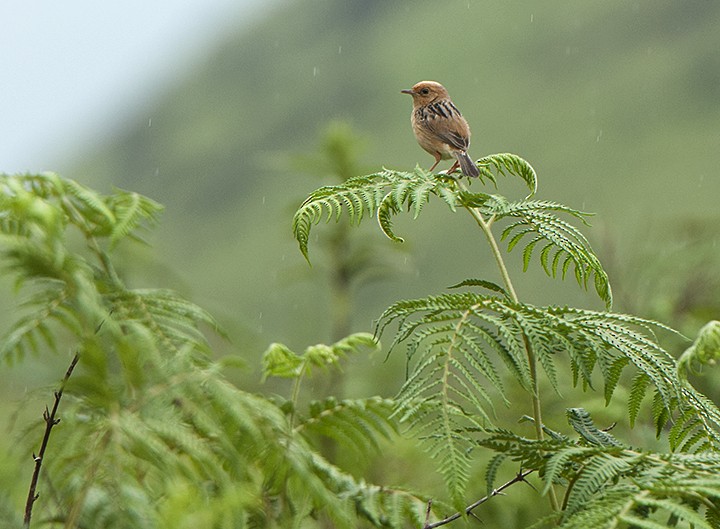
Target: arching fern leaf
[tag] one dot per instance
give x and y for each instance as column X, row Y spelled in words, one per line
column 560, row 244
column 388, row 192
column 508, row 164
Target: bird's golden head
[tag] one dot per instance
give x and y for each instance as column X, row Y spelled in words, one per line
column 426, row 92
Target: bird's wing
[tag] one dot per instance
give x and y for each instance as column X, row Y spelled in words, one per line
column 444, row 120
column 454, row 139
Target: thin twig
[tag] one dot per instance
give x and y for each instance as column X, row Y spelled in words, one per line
column 468, row 510
column 427, row 512
column 50, row 421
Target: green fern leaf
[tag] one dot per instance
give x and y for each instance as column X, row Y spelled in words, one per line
column 705, row 350
column 595, row 473
column 384, row 194
column 489, row 285
column 583, row 424
column 491, row 471
column 506, row 163
column 637, row 394
column 130, row 210
column 357, row 424
column 90, row 202
column 612, row 376
column 537, row 219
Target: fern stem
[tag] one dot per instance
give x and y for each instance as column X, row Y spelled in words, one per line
column 296, row 394
column 497, row 254
column 537, row 410
column 485, row 226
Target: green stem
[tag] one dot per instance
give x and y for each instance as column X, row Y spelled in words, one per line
column 485, row 226
column 296, row 394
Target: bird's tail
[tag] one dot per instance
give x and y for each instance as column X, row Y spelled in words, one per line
column 467, row 166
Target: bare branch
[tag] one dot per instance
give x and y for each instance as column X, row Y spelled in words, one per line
column 50, row 421
column 468, row 510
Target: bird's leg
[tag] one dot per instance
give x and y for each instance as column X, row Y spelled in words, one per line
column 437, row 161
column 454, row 166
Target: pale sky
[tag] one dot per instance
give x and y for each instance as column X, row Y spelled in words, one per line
column 68, row 68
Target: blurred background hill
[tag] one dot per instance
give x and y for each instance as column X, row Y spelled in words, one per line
column 616, row 105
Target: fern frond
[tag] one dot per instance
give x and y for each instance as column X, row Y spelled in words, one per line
column 454, row 342
column 382, row 506
column 637, row 394
column 130, row 210
column 90, row 203
column 279, row 361
column 174, row 321
column 384, row 194
column 583, row 424
column 489, row 285
column 610, row 484
column 705, row 350
column 508, row 164
column 47, row 304
column 697, row 427
column 561, row 243
column 355, row 423
column 596, row 471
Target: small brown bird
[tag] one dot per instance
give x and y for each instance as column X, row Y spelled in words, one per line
column 439, row 127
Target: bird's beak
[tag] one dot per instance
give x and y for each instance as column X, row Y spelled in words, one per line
column 406, row 92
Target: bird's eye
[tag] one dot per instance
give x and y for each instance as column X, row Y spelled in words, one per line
column 425, row 91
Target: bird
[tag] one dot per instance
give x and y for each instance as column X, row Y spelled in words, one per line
column 439, row 127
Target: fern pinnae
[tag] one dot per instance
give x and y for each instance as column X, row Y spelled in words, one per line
column 633, row 521
column 387, row 209
column 528, row 251
column 517, row 209
column 646, row 363
column 536, row 340
column 513, row 351
column 507, row 163
column 595, row 472
column 479, row 360
column 684, row 424
column 612, row 376
column 472, row 390
column 556, row 463
column 90, row 200
column 130, row 210
column 583, row 424
column 677, row 509
column 489, row 285
column 703, row 416
column 491, row 471
column 354, row 434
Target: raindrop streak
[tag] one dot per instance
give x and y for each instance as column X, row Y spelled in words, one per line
column 149, row 122
column 597, row 138
column 339, row 50
column 315, row 71
column 532, row 18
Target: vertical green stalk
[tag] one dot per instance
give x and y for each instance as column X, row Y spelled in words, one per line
column 485, row 226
